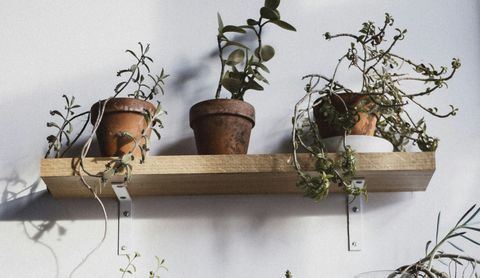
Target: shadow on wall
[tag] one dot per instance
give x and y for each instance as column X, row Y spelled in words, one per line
column 190, row 75
column 11, row 204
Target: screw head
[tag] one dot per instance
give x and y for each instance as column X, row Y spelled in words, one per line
column 123, row 248
column 355, row 209
column 354, row 243
column 126, row 213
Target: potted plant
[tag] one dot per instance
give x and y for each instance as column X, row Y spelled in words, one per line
column 375, row 110
column 131, row 269
column 439, row 261
column 122, row 124
column 223, row 126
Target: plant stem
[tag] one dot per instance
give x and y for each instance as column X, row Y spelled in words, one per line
column 222, row 70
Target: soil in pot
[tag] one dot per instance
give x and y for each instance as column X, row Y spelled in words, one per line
column 222, row 126
column 366, row 124
column 121, row 115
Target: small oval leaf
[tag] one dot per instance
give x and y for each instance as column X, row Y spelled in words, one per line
column 284, row 25
column 272, row 4
column 231, row 28
column 269, row 13
column 231, row 84
column 252, row 22
column 236, row 57
column 267, row 53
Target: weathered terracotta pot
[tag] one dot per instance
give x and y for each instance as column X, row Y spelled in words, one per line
column 121, row 114
column 366, row 124
column 222, row 126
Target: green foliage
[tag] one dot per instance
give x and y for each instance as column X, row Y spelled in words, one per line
column 130, row 268
column 383, row 82
column 240, row 69
column 135, row 75
column 288, row 274
column 385, row 77
column 438, row 261
column 62, row 140
column 119, row 165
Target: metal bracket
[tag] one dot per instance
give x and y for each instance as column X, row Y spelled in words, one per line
column 355, row 218
column 125, row 215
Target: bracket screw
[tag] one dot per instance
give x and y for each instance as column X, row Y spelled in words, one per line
column 355, row 209
column 123, row 248
column 126, row 213
column 354, row 243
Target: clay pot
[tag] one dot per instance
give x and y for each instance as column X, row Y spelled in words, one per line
column 121, row 114
column 366, row 124
column 222, row 126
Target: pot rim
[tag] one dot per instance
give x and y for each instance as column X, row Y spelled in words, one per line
column 196, row 111
column 122, row 105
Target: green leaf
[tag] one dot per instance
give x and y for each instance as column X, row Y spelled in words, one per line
column 157, row 133
column 455, row 246
column 127, row 158
column 438, row 228
column 133, row 53
column 465, row 215
column 236, row 57
column 262, row 66
column 267, row 52
column 220, row 22
column 272, row 4
column 231, row 84
column 231, row 28
column 252, row 22
column 51, row 138
column 473, row 229
column 259, row 77
column 284, row 25
column 269, row 13
column 254, row 85
column 471, row 240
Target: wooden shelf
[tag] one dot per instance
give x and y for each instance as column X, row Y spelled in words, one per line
column 238, row 174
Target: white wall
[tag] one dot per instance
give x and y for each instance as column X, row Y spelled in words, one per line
column 75, row 47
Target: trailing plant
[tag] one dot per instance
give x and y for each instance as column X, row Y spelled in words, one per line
column 60, row 142
column 136, row 78
column 130, row 268
column 439, row 263
column 383, row 74
column 240, row 70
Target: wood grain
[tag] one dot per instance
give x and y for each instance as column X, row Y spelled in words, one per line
column 238, row 174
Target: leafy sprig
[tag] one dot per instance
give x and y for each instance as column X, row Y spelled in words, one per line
column 383, row 76
column 130, row 268
column 61, row 142
column 456, row 263
column 135, row 75
column 240, row 70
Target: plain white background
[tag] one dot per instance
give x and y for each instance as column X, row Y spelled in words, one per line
column 50, row 48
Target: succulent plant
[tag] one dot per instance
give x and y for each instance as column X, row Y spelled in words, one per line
column 383, row 76
column 243, row 68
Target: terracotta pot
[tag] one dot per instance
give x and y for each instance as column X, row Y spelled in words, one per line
column 222, row 126
column 366, row 124
column 121, row 114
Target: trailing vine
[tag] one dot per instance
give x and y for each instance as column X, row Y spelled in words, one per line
column 383, row 76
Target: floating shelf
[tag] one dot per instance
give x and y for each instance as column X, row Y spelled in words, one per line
column 238, row 174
